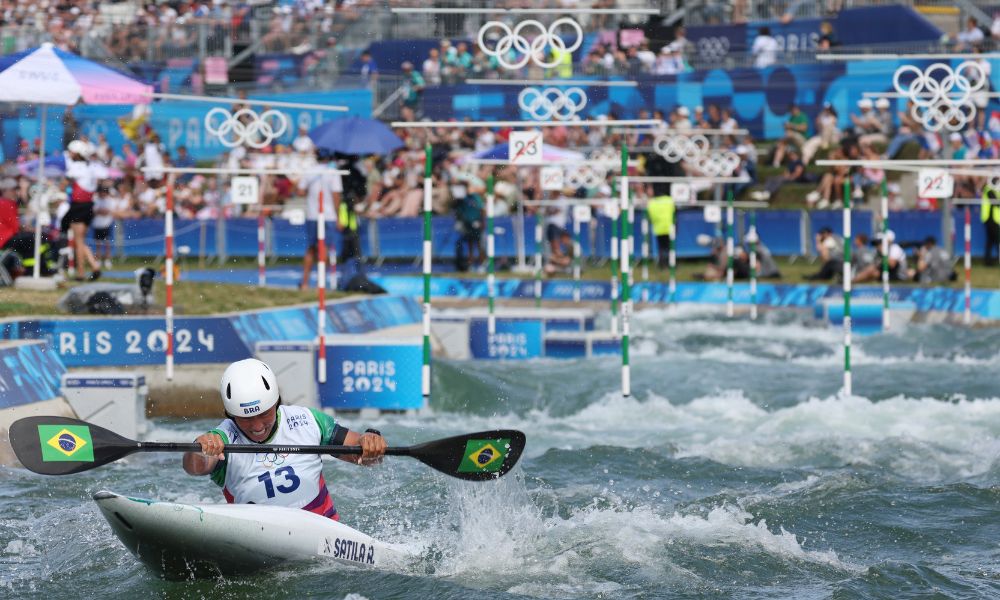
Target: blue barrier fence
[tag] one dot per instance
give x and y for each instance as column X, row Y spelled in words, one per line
column 785, row 232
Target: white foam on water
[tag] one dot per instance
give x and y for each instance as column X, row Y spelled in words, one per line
column 921, row 438
column 495, row 535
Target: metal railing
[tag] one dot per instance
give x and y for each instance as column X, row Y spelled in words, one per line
column 713, row 12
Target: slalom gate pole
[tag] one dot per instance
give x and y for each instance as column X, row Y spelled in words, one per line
column 425, row 372
column 626, row 312
column 261, row 271
column 576, row 259
column 644, row 224
column 491, row 321
column 968, row 265
column 730, row 309
column 538, row 259
column 321, row 255
column 169, row 275
column 886, row 315
column 615, row 225
column 752, row 234
column 847, row 287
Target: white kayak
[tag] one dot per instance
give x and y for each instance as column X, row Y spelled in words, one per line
column 181, row 541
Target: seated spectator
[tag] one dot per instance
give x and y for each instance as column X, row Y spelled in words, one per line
column 827, row 39
column 830, row 248
column 746, row 170
column 867, row 177
column 934, row 264
column 795, row 172
column 827, row 134
column 830, row 184
column 796, row 129
column 910, row 130
column 865, row 122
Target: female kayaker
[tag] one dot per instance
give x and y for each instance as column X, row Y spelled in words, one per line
column 252, row 401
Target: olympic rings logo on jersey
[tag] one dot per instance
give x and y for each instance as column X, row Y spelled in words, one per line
column 552, row 103
column 675, row 148
column 259, row 131
column 513, row 41
column 269, row 459
column 713, row 48
column 941, row 95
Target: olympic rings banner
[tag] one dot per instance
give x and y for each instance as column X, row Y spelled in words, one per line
column 759, row 98
column 183, row 123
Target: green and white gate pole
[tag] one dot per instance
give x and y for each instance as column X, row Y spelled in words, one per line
column 425, row 373
column 847, row 288
column 752, row 238
column 730, row 309
column 538, row 256
column 615, row 224
column 626, row 242
column 576, row 256
column 885, row 256
column 491, row 320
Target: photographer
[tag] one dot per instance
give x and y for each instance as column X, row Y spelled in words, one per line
column 934, row 263
column 897, row 262
column 830, row 248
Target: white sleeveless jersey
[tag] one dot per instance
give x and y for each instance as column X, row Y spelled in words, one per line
column 292, row 480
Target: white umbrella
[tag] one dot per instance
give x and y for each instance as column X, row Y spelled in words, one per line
column 47, row 75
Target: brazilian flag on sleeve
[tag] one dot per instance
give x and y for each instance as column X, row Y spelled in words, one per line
column 484, row 456
column 66, row 443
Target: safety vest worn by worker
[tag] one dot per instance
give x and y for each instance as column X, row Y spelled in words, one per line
column 347, row 217
column 987, row 208
column 661, row 214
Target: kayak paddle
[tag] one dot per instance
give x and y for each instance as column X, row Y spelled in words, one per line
column 60, row 446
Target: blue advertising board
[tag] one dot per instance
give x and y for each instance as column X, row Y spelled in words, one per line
column 135, row 341
column 513, row 339
column 383, row 376
column 29, row 372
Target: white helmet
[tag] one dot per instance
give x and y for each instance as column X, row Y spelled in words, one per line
column 248, row 388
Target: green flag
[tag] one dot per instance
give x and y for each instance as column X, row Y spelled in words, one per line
column 66, row 443
column 484, row 456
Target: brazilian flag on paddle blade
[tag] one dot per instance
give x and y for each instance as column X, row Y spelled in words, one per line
column 66, row 443
column 484, row 456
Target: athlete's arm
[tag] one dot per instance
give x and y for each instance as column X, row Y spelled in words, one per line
column 373, row 447
column 204, row 462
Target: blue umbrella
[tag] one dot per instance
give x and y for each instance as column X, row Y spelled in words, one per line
column 355, row 135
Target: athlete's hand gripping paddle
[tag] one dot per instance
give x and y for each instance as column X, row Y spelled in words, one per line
column 60, row 446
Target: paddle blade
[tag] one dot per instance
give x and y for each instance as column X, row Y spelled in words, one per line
column 473, row 456
column 60, row 446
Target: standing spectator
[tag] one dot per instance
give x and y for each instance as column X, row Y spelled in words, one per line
column 765, row 49
column 302, row 143
column 414, row 85
column 646, row 56
column 369, row 70
column 668, row 63
column 102, row 223
column 827, row 39
column 432, row 67
column 469, row 217
column 184, row 161
column 970, row 37
column 83, row 177
column 330, row 186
